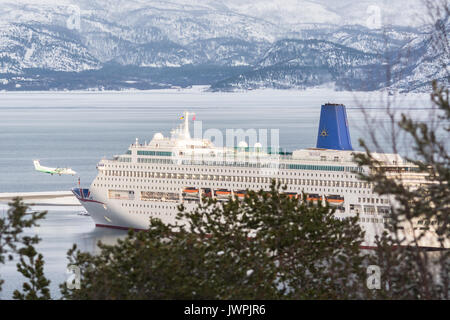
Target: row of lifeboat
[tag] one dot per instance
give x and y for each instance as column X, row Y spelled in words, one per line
column 220, row 193
column 332, row 199
column 192, row 192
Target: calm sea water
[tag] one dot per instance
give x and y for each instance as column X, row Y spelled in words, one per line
column 78, row 129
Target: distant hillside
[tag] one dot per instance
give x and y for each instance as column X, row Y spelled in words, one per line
column 306, row 63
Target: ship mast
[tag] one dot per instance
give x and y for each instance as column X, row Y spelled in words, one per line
column 187, row 135
column 182, row 131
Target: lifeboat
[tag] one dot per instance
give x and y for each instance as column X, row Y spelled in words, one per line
column 240, row 193
column 291, row 195
column 314, row 197
column 222, row 193
column 190, row 190
column 335, row 199
column 190, row 193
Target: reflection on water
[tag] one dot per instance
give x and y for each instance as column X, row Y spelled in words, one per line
column 61, row 228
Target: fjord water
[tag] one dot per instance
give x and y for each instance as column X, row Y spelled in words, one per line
column 77, row 129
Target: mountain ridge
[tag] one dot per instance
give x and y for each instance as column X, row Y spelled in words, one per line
column 37, row 41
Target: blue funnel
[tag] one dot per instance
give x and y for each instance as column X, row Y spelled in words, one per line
column 333, row 128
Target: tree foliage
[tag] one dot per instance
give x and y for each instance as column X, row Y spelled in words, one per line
column 408, row 270
column 13, row 241
column 265, row 246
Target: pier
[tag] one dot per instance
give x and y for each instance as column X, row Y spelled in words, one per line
column 47, row 198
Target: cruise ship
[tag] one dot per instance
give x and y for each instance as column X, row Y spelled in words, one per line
column 152, row 179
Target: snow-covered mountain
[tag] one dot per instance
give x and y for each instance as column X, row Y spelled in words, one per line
column 40, row 46
column 289, row 43
column 156, row 33
column 304, row 63
column 422, row 60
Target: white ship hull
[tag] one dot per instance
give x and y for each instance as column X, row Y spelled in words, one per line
column 110, row 214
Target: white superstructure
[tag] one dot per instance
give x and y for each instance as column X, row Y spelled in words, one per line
column 153, row 179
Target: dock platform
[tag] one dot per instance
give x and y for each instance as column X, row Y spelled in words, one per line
column 47, row 198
